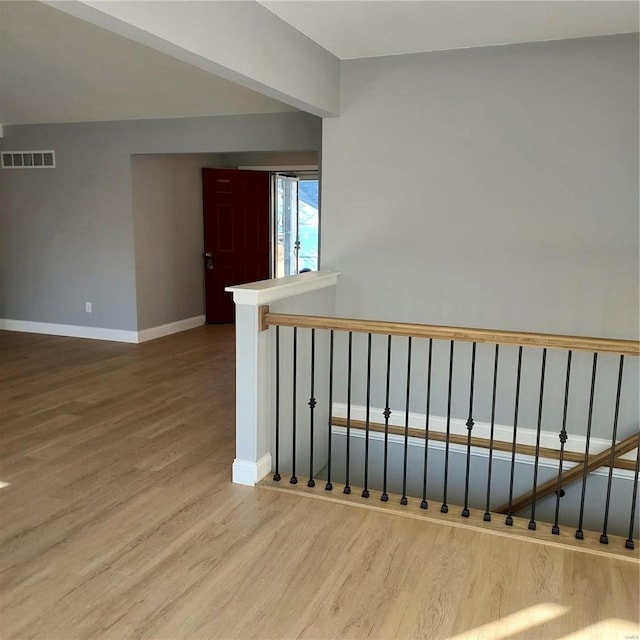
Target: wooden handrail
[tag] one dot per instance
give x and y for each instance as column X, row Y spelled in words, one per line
column 573, row 474
column 482, row 443
column 463, row 334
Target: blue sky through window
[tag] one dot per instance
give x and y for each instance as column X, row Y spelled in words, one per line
column 308, row 224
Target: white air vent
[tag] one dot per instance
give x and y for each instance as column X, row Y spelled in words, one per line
column 28, row 159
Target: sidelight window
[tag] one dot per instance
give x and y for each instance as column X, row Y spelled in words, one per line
column 296, row 218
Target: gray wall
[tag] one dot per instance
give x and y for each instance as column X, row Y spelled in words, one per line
column 280, row 159
column 497, row 188
column 167, row 216
column 167, row 220
column 68, row 233
column 493, row 187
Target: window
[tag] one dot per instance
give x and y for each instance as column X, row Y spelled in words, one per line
column 296, row 219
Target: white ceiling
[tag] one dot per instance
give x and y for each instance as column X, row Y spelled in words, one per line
column 367, row 28
column 57, row 68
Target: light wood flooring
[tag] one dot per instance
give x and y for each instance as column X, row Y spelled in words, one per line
column 119, row 521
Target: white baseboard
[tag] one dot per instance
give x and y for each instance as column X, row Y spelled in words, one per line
column 171, row 327
column 69, row 330
column 548, row 439
column 250, row 473
column 100, row 333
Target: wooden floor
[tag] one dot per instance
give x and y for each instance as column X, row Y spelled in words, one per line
column 119, row 521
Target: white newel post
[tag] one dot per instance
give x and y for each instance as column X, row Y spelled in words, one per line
column 254, row 364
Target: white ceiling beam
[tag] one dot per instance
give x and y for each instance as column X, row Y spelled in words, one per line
column 240, row 41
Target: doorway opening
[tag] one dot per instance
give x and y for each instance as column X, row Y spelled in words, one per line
column 296, row 217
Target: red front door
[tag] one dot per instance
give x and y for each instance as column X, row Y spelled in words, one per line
column 236, row 235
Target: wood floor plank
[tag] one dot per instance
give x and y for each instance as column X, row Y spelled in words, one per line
column 120, row 521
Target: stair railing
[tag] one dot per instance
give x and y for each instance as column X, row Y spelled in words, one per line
column 572, row 466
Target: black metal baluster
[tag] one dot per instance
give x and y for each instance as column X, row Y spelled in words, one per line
column 387, row 413
column 312, row 405
column 365, row 490
column 579, row 532
column 347, row 487
column 469, row 423
column 487, row 513
column 445, row 507
column 276, row 475
column 424, row 504
column 403, row 499
column 555, row 530
column 329, row 485
column 604, row 539
column 629, row 541
column 532, row 521
column 294, row 479
column 509, row 519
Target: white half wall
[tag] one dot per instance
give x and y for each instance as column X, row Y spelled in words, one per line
column 312, row 293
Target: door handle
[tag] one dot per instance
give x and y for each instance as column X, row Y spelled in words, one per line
column 208, row 260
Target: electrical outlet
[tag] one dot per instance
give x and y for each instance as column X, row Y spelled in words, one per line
column 87, row 307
